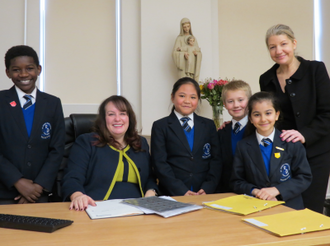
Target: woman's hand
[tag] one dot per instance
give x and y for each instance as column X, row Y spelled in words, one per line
column 266, row 193
column 80, row 201
column 186, row 55
column 292, row 136
column 178, row 49
column 224, row 125
column 150, row 192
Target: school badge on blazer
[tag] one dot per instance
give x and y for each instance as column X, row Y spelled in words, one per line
column 46, row 130
column 206, row 151
column 285, row 171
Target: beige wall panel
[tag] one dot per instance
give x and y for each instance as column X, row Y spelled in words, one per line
column 325, row 33
column 160, row 26
column 242, row 28
column 12, row 33
column 80, row 52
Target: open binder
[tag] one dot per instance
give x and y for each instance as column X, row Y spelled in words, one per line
column 241, row 204
column 290, row 223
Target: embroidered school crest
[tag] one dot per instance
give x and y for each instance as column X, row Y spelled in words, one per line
column 285, row 172
column 206, row 151
column 46, row 130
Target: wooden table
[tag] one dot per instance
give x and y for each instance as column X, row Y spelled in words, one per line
column 203, row 227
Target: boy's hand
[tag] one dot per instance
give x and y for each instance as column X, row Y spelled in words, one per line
column 29, row 190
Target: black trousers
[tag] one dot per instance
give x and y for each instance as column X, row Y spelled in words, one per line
column 314, row 196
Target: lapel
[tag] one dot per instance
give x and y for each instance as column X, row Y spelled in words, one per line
column 199, row 124
column 274, row 161
column 177, row 129
column 39, row 112
column 255, row 154
column 16, row 112
column 227, row 138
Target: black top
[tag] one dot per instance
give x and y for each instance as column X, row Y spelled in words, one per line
column 309, row 95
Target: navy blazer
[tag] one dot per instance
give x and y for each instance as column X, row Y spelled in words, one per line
column 309, row 90
column 37, row 157
column 176, row 166
column 91, row 169
column 289, row 169
column 226, row 157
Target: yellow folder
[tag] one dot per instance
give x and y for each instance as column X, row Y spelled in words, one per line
column 242, row 204
column 290, row 223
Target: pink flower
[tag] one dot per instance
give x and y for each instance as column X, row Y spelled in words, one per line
column 210, row 86
column 222, row 82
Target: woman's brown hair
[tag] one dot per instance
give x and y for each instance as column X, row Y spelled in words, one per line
column 100, row 127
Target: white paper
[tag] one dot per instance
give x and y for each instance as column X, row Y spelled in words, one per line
column 219, row 206
column 256, row 222
column 110, row 209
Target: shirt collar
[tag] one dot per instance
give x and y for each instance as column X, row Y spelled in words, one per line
column 260, row 137
column 21, row 95
column 191, row 116
column 243, row 122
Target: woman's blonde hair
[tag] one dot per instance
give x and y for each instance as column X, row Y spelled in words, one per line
column 280, row 29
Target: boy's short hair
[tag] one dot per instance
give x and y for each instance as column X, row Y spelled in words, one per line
column 235, row 85
column 20, row 50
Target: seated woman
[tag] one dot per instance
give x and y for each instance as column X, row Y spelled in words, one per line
column 113, row 162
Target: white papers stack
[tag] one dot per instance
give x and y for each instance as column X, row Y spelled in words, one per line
column 163, row 206
column 110, row 209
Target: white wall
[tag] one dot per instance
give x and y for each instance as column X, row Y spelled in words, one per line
column 160, row 25
column 12, row 29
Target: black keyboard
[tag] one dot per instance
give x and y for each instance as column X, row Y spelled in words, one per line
column 32, row 223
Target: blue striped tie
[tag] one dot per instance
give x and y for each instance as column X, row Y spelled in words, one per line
column 185, row 124
column 237, row 127
column 28, row 102
column 266, row 141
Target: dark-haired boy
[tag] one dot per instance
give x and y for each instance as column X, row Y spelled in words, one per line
column 31, row 132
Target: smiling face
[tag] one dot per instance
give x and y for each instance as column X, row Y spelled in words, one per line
column 185, row 99
column 281, row 49
column 24, row 73
column 263, row 117
column 236, row 103
column 117, row 122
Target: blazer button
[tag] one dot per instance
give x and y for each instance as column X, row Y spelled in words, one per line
column 190, row 174
column 29, row 146
column 191, row 158
column 29, row 164
column 268, row 184
column 298, row 114
column 292, row 94
column 289, row 81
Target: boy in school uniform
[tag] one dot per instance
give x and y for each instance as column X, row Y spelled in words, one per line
column 235, row 96
column 31, row 132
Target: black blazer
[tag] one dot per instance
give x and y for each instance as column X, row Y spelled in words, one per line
column 91, row 169
column 226, row 157
column 249, row 170
column 309, row 90
column 36, row 157
column 176, row 166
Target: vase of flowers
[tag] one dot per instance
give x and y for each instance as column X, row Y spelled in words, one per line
column 211, row 90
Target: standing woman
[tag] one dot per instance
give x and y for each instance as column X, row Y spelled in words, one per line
column 303, row 89
column 184, row 146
